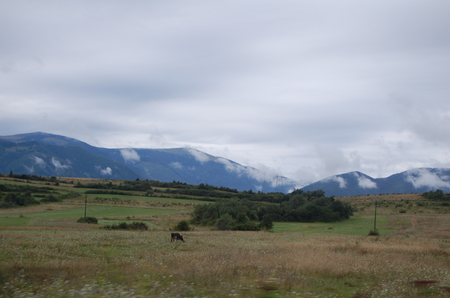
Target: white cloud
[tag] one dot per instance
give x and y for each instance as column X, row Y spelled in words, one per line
column 340, row 180
column 230, row 166
column 58, row 165
column 130, row 155
column 39, row 161
column 176, row 165
column 199, row 156
column 364, row 182
column 425, row 178
column 29, row 170
column 262, row 174
column 106, row 171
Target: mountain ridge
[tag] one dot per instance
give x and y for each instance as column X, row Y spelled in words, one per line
column 54, row 155
column 417, row 180
column 43, row 154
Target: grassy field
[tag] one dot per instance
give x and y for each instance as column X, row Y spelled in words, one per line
column 44, row 252
column 356, row 225
column 101, row 263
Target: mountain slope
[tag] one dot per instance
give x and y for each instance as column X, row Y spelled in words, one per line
column 411, row 181
column 53, row 155
column 65, row 161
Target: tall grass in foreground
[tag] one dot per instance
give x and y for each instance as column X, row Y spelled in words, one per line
column 99, row 263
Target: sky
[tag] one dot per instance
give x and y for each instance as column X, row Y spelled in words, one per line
column 304, row 89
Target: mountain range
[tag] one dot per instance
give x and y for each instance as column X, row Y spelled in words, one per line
column 418, row 180
column 46, row 154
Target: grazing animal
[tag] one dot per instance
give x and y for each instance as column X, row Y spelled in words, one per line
column 176, row 236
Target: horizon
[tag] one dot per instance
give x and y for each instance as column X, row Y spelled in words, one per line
column 200, row 158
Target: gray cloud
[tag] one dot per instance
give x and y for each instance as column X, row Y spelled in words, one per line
column 305, row 89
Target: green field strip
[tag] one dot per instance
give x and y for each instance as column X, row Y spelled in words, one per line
column 10, row 221
column 145, row 198
column 94, row 211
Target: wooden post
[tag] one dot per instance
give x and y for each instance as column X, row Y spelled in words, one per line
column 375, row 218
column 85, row 205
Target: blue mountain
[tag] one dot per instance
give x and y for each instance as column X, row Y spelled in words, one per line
column 54, row 155
column 412, row 181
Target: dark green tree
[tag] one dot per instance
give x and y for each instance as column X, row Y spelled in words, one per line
column 182, row 226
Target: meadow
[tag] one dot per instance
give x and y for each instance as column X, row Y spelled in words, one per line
column 44, row 252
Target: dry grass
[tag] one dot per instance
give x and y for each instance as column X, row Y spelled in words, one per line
column 98, row 263
column 61, row 258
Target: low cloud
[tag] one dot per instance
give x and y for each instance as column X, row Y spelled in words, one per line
column 364, row 182
column 130, row 155
column 176, row 165
column 263, row 174
column 423, row 177
column 58, row 165
column 105, row 172
column 230, row 166
column 39, row 161
column 340, row 180
column 199, row 156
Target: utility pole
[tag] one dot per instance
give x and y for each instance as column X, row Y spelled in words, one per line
column 85, row 205
column 375, row 218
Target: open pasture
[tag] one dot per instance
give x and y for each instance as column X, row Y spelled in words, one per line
column 68, row 217
column 356, row 225
column 44, row 252
column 103, row 263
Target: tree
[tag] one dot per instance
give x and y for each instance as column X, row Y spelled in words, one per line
column 225, row 222
column 266, row 222
column 241, row 218
column 183, row 226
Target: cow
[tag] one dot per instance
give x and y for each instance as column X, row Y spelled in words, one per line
column 176, row 236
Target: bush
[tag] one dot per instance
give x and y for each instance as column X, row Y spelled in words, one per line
column 50, row 199
column 248, row 226
column 374, row 232
column 125, row 226
column 266, row 223
column 225, row 222
column 90, row 220
column 182, row 226
column 138, row 226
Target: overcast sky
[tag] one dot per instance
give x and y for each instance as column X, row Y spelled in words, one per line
column 305, row 89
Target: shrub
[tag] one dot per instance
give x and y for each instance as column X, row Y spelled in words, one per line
column 182, row 226
column 224, row 222
column 90, row 220
column 123, row 226
column 374, row 232
column 266, row 223
column 50, row 199
column 126, row 226
column 138, row 226
column 248, row 226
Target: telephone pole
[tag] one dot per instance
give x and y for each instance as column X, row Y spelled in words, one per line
column 85, row 205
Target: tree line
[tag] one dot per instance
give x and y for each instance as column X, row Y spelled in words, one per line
column 311, row 206
column 437, row 195
column 12, row 196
